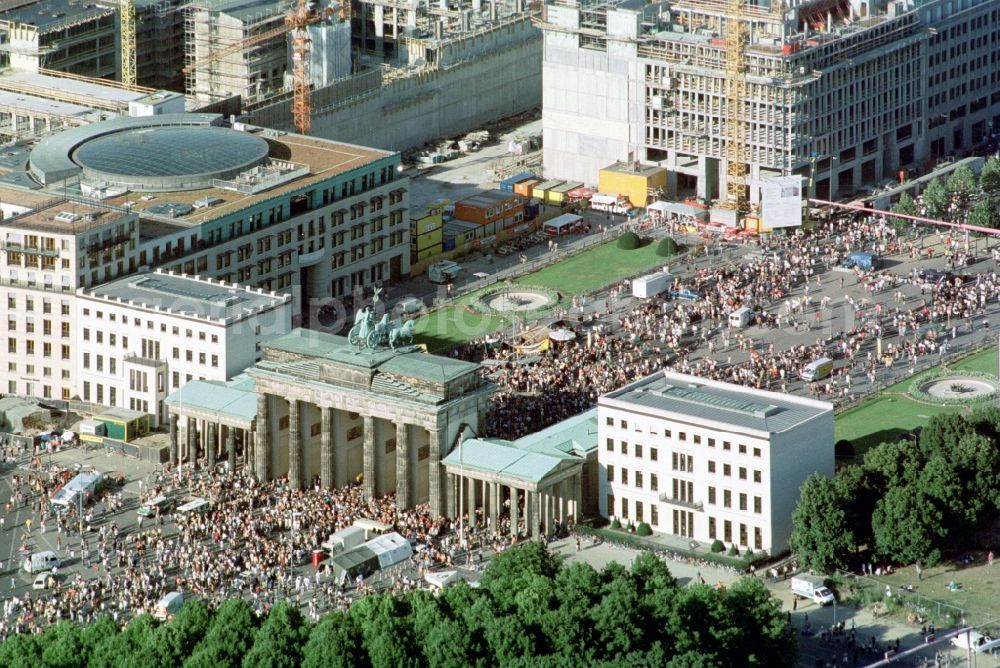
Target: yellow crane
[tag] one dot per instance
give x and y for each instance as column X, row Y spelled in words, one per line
column 296, row 22
column 126, row 13
column 737, row 151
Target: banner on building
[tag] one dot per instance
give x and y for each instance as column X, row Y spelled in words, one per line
column 781, row 202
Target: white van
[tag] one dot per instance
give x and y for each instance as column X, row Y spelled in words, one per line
column 42, row 561
column 196, row 506
column 740, row 318
column 817, row 369
column 168, row 606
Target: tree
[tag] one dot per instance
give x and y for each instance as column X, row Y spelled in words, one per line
column 983, row 215
column 506, row 574
column 667, row 247
column 905, row 206
column 907, row 525
column 763, row 638
column 822, row 537
column 629, row 241
column 228, row 639
column 989, row 178
column 936, row 199
column 387, row 630
column 335, row 642
column 278, row 642
column 962, row 183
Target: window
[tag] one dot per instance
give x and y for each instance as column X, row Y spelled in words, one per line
column 696, row 438
column 682, row 435
column 757, row 505
column 624, row 448
column 756, row 476
column 743, row 501
column 727, row 498
column 611, row 504
column 638, row 450
column 726, row 445
column 711, row 528
column 610, row 421
column 624, row 476
column 176, row 352
column 727, row 531
column 188, row 355
column 743, row 473
column 711, row 466
column 654, row 515
column 625, row 508
column 638, row 479
column 758, row 539
column 654, row 482
column 711, row 495
column 624, row 425
column 611, row 473
column 727, row 470
column 756, row 452
column 638, row 512
column 653, row 454
column 666, row 433
column 610, row 445
column 201, row 358
column 711, row 442
column 86, row 334
column 86, row 390
column 743, row 449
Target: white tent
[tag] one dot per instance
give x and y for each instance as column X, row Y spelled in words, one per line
column 561, row 224
column 390, row 548
column 344, row 540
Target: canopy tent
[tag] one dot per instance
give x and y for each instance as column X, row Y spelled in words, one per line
column 561, row 224
column 562, row 334
column 675, row 209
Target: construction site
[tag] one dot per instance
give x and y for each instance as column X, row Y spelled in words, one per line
column 386, row 73
column 845, row 94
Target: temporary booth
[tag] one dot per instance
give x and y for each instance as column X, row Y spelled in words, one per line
column 123, row 424
column 344, row 540
column 83, row 484
column 566, row 223
column 377, row 554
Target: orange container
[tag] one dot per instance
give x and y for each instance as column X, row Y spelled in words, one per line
column 525, row 188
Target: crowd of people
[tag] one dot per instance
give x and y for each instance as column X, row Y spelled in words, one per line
column 256, row 541
column 779, row 283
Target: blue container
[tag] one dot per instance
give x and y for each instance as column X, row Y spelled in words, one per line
column 507, row 185
column 448, row 244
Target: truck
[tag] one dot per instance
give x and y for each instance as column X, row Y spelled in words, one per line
column 444, row 271
column 652, row 285
column 860, row 260
column 813, row 588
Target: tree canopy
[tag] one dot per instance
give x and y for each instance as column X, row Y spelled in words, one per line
column 935, row 199
column 530, row 610
column 908, row 501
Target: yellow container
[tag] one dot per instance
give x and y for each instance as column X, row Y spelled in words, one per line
column 632, row 181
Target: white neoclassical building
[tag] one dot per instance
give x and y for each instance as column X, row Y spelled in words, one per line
column 706, row 460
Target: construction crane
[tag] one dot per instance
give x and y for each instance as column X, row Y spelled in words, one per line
column 126, row 13
column 737, row 150
column 297, row 22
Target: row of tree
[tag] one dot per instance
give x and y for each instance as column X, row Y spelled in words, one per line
column 960, row 188
column 530, row 611
column 908, row 501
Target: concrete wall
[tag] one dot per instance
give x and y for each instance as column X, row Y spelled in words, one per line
column 407, row 112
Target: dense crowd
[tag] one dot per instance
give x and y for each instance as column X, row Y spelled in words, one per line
column 779, row 283
column 253, row 543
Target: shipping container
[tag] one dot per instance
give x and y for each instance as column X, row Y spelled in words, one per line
column 421, row 241
column 448, row 244
column 557, row 194
column 507, row 185
column 541, row 191
column 525, row 188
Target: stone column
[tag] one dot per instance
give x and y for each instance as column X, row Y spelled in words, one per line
column 494, row 503
column 211, row 431
column 452, row 481
column 514, row 519
column 326, row 447
column 249, row 448
column 531, row 513
column 404, row 497
column 173, row 439
column 438, row 493
column 547, row 500
column 262, row 451
column 231, row 447
column 294, row 444
column 378, row 449
column 192, row 441
column 578, row 498
column 339, row 448
column 470, row 508
column 369, row 457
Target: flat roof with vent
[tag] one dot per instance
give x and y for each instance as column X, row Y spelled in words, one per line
column 699, row 400
column 59, row 216
column 187, row 296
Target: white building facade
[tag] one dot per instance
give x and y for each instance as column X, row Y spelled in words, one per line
column 706, row 460
column 142, row 337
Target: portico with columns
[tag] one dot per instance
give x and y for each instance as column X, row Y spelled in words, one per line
column 529, row 486
column 338, row 413
column 213, row 422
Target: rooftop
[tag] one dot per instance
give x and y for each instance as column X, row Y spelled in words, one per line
column 633, row 168
column 49, row 14
column 485, row 200
column 534, row 456
column 189, row 296
column 61, row 217
column 697, row 399
column 235, row 399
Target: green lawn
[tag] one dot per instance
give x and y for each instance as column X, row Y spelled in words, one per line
column 595, row 268
column 892, row 412
column 449, row 326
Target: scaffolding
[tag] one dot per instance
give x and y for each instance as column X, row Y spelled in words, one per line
column 126, row 16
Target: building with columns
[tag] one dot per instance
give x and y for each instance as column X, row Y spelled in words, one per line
column 706, row 460
column 329, row 410
column 541, row 479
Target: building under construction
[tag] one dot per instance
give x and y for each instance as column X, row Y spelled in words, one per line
column 845, row 93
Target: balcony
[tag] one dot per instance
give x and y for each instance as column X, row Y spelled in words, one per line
column 108, row 243
column 133, row 358
column 15, row 247
column 693, row 505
